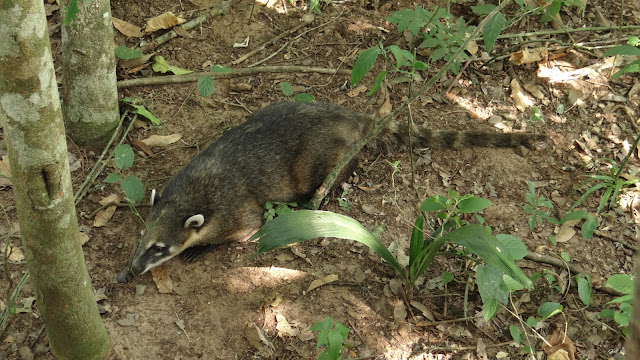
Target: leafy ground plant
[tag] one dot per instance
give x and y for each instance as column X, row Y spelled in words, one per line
column 131, row 185
column 622, row 283
column 330, row 337
column 304, row 225
column 288, row 91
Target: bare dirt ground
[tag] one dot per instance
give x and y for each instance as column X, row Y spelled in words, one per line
column 220, row 301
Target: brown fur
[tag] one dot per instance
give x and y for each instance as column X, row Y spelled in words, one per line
column 281, row 153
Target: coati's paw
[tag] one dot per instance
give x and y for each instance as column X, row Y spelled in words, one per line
column 195, row 252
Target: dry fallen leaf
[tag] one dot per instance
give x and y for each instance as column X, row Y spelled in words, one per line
column 164, row 21
column 135, row 63
column 284, row 327
column 520, row 100
column 562, row 347
column 82, row 238
column 15, row 254
column 127, row 29
column 320, row 282
column 355, row 314
column 425, row 311
column 160, row 140
column 527, row 56
column 141, row 146
column 162, row 279
column 5, row 172
column 357, row 91
column 182, row 32
column 566, row 231
column 103, row 216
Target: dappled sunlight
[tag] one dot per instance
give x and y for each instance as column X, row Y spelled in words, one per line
column 247, row 278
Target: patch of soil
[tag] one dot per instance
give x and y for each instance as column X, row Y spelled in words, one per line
column 230, row 306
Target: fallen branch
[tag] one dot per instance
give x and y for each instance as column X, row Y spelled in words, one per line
column 192, row 77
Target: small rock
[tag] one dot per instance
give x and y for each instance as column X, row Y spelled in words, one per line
column 522, row 151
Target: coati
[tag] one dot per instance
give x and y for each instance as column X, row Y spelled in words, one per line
column 281, row 153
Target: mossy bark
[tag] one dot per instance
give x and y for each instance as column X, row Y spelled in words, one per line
column 89, row 93
column 34, row 133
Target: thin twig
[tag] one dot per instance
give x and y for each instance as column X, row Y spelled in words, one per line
column 306, row 21
column 192, row 77
column 553, row 32
column 220, row 9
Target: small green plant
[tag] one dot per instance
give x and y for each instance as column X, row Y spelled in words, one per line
column 276, row 208
column 497, row 253
column 138, row 108
column 301, row 98
column 539, row 208
column 205, row 83
column 330, row 337
column 131, row 185
column 632, row 49
column 343, row 202
column 622, row 283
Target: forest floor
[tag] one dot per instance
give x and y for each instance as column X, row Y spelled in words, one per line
column 228, row 305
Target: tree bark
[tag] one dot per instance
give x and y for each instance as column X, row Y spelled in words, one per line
column 633, row 341
column 34, row 133
column 89, row 93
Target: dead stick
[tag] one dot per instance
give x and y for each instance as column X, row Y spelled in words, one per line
column 384, row 122
column 177, row 79
column 306, row 21
column 220, row 9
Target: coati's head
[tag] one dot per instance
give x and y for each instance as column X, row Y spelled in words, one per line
column 170, row 229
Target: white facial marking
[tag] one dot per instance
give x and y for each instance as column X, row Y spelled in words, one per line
column 153, row 196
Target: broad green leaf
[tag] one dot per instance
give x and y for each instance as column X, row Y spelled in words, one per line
column 205, row 86
column 286, row 88
column 532, row 321
column 160, row 65
column 417, row 240
column 365, row 62
column 439, row 53
column 622, row 283
column 133, row 188
column 484, row 9
column 509, row 284
column 549, row 309
column 631, row 67
column 489, row 279
column 303, row 98
column 221, row 69
column 434, row 203
column 141, row 110
column 516, row 248
column 623, row 50
column 447, row 277
column 324, row 325
column 481, row 242
column 473, row 204
column 584, row 289
column 621, row 299
column 123, row 156
column 492, row 30
column 377, row 82
column 112, row 178
column 574, row 215
column 551, row 11
column 516, row 334
column 123, row 52
column 304, row 225
column 589, row 226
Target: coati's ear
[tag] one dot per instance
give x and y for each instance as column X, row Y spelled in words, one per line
column 153, row 197
column 194, row 222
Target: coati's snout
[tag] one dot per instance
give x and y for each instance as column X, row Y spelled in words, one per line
column 165, row 237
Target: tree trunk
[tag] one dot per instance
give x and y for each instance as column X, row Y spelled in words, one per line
column 34, row 133
column 89, row 93
column 633, row 341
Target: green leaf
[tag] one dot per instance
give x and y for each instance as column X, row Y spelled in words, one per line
column 324, row 325
column 133, row 188
column 551, row 11
column 492, row 30
column 417, row 240
column 485, row 9
column 549, row 309
column 71, row 11
column 221, row 69
column 160, row 65
column 205, row 86
column 303, row 98
column 622, row 283
column 565, row 256
column 589, row 226
column 584, row 289
column 123, row 156
column 377, row 82
column 112, row 178
column 447, row 277
column 439, row 53
column 123, row 52
column 631, row 67
column 365, row 62
column 429, row 43
column 623, row 50
column 304, row 225
column 516, row 248
column 286, row 88
column 434, row 203
column 531, row 321
column 574, row 215
column 479, row 241
column 516, row 334
column 142, row 111
column 473, row 204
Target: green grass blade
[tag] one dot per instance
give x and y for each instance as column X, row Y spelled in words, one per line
column 417, row 240
column 303, row 225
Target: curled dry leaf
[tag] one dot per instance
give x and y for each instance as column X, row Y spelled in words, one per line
column 161, row 140
column 127, row 29
column 15, row 254
column 164, row 21
column 566, row 231
column 399, row 312
column 82, row 238
column 527, row 56
column 141, row 146
column 562, row 347
column 103, row 216
column 162, row 279
column 357, row 91
column 320, row 282
column 284, row 327
column 520, row 99
column 135, row 63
